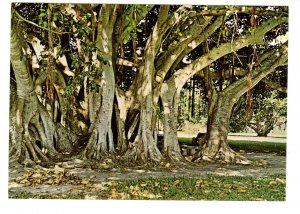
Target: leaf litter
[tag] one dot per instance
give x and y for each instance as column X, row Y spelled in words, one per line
column 93, row 186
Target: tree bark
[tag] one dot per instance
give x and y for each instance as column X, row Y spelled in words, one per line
column 217, row 147
column 144, row 148
column 100, row 142
column 193, row 99
column 30, row 123
column 170, row 110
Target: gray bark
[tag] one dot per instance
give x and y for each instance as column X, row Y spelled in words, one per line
column 144, row 147
column 101, row 139
column 170, row 110
column 30, row 121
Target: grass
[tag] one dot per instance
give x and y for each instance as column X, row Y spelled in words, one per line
column 249, row 146
column 208, row 187
column 261, row 146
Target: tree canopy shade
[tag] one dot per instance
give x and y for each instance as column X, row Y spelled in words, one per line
column 87, row 80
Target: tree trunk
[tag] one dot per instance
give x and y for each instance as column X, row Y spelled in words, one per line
column 144, row 148
column 193, row 99
column 170, row 110
column 101, row 142
column 263, row 126
column 30, row 123
column 121, row 110
column 217, row 147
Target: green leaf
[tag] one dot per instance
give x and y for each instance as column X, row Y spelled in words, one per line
column 45, row 24
column 42, row 15
column 126, row 39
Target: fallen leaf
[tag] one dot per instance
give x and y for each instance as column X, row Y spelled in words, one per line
column 85, row 181
column 24, row 181
column 50, row 181
column 37, row 175
column 113, row 178
column 199, row 183
column 104, row 166
column 75, row 190
column 176, row 182
column 78, row 161
column 113, row 193
column 242, row 190
column 99, row 187
column 109, row 161
column 93, row 197
column 13, row 185
column 58, row 169
column 279, row 180
column 150, row 195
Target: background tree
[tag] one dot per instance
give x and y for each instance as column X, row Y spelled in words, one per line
column 269, row 110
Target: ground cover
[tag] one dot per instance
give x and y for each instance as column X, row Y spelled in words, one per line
column 264, row 179
column 271, row 188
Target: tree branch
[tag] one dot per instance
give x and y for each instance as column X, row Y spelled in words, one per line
column 36, row 25
column 278, row 58
column 183, row 48
column 246, row 10
column 182, row 75
column 126, row 62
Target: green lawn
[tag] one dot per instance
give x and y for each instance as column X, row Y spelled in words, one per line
column 255, row 146
column 250, row 146
column 224, row 188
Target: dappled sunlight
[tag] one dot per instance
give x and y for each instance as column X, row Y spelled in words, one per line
column 104, row 94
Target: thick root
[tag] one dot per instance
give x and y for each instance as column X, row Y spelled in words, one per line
column 224, row 156
column 140, row 155
column 175, row 158
column 96, row 149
